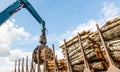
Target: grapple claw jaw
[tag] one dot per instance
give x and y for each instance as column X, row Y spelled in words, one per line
column 43, row 39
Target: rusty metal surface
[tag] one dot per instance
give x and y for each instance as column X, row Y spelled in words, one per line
column 38, row 63
column 87, row 68
column 56, row 66
column 15, row 66
column 68, row 63
column 112, row 67
column 19, row 66
column 27, row 70
column 23, row 65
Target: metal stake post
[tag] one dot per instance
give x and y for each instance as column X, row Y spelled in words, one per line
column 31, row 69
column 23, row 65
column 67, row 58
column 15, row 65
column 45, row 62
column 19, row 66
column 112, row 67
column 27, row 64
column 38, row 61
column 55, row 63
column 87, row 68
column 34, row 67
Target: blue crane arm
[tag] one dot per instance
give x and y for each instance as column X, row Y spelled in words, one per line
column 33, row 12
column 18, row 5
column 8, row 12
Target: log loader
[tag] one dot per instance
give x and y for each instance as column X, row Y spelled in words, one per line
column 17, row 6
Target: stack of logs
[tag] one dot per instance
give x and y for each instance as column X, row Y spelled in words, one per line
column 94, row 50
column 46, row 50
column 60, row 64
column 46, row 58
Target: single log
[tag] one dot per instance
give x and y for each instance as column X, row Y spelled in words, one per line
column 74, row 40
column 80, row 59
column 111, row 21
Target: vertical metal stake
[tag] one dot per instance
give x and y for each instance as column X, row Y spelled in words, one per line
column 15, row 65
column 34, row 67
column 31, row 69
column 83, row 53
column 68, row 64
column 105, row 47
column 45, row 62
column 23, row 65
column 112, row 67
column 38, row 60
column 19, row 66
column 27, row 64
column 55, row 63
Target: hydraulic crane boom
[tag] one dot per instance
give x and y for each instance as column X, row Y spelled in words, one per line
column 18, row 5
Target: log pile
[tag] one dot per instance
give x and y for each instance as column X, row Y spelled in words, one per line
column 49, row 54
column 94, row 50
column 60, row 64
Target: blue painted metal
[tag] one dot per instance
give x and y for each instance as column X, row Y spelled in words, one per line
column 18, row 5
column 8, row 12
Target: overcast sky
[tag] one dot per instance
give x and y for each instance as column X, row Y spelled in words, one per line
column 64, row 18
